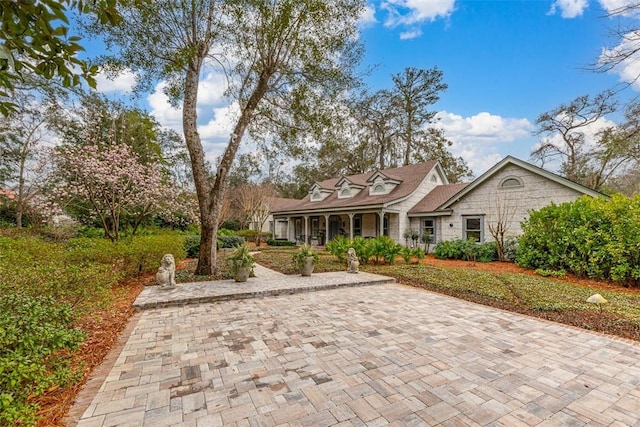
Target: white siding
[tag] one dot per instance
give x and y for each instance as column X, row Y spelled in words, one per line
column 403, row 223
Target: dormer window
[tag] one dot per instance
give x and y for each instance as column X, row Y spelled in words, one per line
column 347, row 189
column 317, row 193
column 379, row 183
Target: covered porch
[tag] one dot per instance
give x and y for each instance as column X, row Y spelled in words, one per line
column 320, row 228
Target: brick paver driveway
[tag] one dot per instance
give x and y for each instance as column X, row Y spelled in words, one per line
column 377, row 355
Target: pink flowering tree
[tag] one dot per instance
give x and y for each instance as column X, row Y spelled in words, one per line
column 111, row 182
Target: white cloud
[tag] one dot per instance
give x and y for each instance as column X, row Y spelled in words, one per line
column 619, row 6
column 161, row 109
column 477, row 138
column 628, row 69
column 222, row 123
column 123, row 82
column 368, row 16
column 484, row 127
column 589, row 131
column 411, row 34
column 569, row 8
column 413, row 13
column 409, row 12
column 211, row 89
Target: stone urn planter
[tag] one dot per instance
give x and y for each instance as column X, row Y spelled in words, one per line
column 307, row 268
column 241, row 263
column 242, row 274
column 305, row 259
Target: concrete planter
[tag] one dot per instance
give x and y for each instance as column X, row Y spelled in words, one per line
column 307, row 268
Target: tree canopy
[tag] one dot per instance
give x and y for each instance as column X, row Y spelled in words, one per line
column 35, row 39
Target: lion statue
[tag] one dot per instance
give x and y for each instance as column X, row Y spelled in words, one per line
column 166, row 275
column 352, row 261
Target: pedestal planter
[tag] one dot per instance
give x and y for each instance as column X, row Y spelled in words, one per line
column 305, row 259
column 308, row 266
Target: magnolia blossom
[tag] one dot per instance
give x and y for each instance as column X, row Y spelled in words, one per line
column 113, row 182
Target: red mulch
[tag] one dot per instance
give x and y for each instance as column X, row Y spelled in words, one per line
column 102, row 328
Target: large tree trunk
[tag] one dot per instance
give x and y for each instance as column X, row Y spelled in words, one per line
column 207, row 258
column 219, row 185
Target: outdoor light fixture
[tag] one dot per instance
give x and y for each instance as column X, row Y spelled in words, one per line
column 450, row 225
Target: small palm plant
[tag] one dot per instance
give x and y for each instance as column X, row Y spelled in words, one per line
column 241, row 263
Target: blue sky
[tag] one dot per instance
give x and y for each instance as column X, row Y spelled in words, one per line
column 505, row 62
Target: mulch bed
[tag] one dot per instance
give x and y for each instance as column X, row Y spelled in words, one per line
column 102, row 329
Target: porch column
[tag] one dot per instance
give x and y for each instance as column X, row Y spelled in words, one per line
column 306, row 229
column 326, row 228
column 381, row 231
column 288, row 228
column 351, row 214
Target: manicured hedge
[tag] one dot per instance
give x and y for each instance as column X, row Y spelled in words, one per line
column 594, row 237
column 274, row 242
column 465, row 249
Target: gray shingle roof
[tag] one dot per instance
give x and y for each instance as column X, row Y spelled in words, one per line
column 432, row 201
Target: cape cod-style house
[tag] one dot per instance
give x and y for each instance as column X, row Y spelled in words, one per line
column 419, row 197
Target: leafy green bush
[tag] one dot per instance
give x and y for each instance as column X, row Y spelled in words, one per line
column 338, row 247
column 510, row 248
column 486, row 252
column 363, row 249
column 279, row 242
column 418, row 253
column 384, row 247
column 449, row 249
column 405, row 253
column 592, row 237
column 465, row 249
column 192, row 245
column 34, row 334
column 230, row 241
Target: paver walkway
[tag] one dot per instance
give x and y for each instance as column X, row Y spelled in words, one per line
column 376, row 355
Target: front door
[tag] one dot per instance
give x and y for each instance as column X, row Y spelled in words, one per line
column 335, row 223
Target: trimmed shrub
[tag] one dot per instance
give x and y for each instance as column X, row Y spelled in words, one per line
column 466, row 250
column 592, row 237
column 449, row 249
column 274, row 242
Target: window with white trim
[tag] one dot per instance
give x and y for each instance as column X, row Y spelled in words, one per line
column 473, row 228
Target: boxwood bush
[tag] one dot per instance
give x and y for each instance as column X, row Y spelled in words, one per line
column 278, row 242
